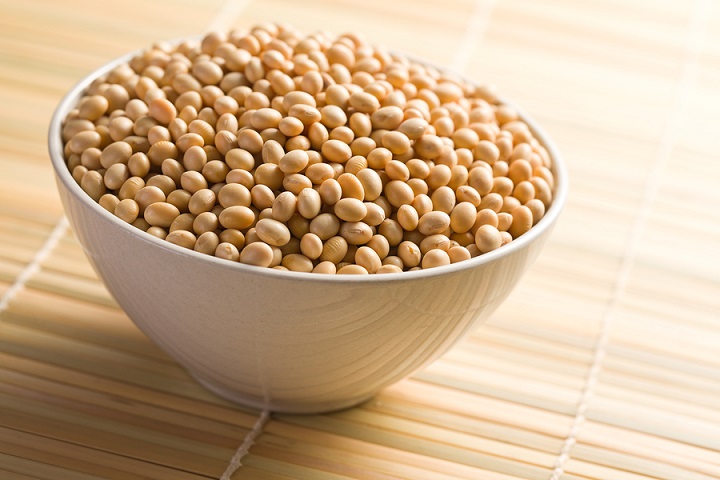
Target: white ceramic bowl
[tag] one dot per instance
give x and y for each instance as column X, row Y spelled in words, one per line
column 288, row 341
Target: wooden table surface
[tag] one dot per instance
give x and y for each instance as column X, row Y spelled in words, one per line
column 603, row 364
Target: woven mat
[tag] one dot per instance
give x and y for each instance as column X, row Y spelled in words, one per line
column 603, row 364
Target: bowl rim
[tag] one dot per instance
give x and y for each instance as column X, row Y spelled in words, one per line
column 63, row 174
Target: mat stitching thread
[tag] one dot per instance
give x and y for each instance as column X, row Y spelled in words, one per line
column 696, row 28
column 476, row 28
column 231, row 10
column 227, row 14
column 34, row 266
column 236, row 460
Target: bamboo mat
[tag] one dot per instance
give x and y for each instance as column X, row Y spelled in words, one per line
column 603, row 364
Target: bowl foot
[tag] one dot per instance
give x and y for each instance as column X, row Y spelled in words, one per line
column 278, row 405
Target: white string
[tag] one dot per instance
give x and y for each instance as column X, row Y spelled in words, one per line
column 32, row 268
column 235, row 461
column 474, row 31
column 229, row 12
column 668, row 139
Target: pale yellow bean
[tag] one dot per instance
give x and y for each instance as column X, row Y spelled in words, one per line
column 397, row 142
column 325, row 267
column 437, row 241
column 408, row 217
column 435, row 258
column 272, row 232
column 524, row 191
column 161, row 214
column 270, row 175
column 234, row 194
column 543, row 191
column 148, row 195
column 364, row 102
column 162, row 110
column 463, row 217
column 504, row 220
column 375, row 214
column 537, row 208
column 192, row 181
column 319, row 172
column 336, row 151
column 509, row 204
column 325, row 226
column 459, row 254
column 356, row 233
column 207, row 243
column 233, row 236
column 468, row 194
column 368, row 258
column 493, row 201
column 262, row 196
column 115, row 176
column 502, row 186
column 399, row 193
column 409, row 253
column 330, row 191
column 393, row 260
column 443, row 199
column 350, row 210
column 309, row 203
column 184, row 221
column 109, row 202
column 127, row 210
column 272, row 152
column 334, row 249
column 391, row 230
column 237, row 217
column 352, row 270
column 294, row 161
column 205, row 222
column 258, row 254
column 297, row 262
column 486, row 216
column 481, row 179
column 311, row 246
column 227, row 251
column 522, row 221
column 433, row 222
column 236, row 158
column 388, row 269
column 296, row 183
column 284, row 206
column 182, row 238
column 291, row 126
column 389, row 118
column 487, row 238
column 138, row 164
column 380, row 244
column 351, row 186
column 371, row 182
column 158, row 232
column 202, row 201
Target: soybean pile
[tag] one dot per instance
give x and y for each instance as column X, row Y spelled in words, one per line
column 313, row 153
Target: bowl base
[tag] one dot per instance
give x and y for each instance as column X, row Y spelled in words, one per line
column 275, row 405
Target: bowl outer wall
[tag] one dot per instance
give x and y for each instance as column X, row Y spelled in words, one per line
column 284, row 340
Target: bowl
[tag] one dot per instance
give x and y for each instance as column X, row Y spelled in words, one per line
column 287, row 341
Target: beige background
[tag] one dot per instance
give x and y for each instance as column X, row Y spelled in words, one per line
column 603, row 364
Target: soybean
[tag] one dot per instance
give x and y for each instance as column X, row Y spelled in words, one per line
column 313, row 154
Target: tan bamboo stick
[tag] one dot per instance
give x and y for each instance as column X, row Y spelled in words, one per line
column 84, row 460
column 192, row 399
